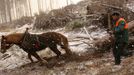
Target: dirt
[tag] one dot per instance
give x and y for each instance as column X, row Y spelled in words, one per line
column 67, row 65
column 85, row 64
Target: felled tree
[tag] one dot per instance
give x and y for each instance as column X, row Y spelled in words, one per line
column 105, row 43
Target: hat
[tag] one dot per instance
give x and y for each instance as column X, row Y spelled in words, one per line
column 115, row 14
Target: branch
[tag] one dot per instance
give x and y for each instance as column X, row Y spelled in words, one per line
column 89, row 36
column 112, row 6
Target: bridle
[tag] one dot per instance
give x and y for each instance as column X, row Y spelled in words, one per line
column 6, row 45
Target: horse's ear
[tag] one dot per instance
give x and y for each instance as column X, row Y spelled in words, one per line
column 3, row 36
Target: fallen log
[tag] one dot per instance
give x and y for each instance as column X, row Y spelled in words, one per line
column 111, row 6
column 106, row 43
column 89, row 36
column 101, row 45
column 131, row 24
column 131, row 43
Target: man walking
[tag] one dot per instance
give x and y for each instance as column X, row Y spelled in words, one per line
column 121, row 37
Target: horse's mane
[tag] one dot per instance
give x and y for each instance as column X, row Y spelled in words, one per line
column 14, row 34
column 14, row 37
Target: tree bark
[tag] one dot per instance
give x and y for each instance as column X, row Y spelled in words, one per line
column 131, row 26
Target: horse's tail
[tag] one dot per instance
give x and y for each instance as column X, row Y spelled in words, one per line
column 65, row 44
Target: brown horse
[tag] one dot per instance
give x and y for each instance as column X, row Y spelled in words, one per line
column 40, row 42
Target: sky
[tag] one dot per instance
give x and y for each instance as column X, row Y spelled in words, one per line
column 55, row 4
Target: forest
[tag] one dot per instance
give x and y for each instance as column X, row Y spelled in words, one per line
column 87, row 25
column 14, row 9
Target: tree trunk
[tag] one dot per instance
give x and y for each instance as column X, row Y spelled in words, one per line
column 8, row 3
column 30, row 8
column 39, row 6
column 51, row 7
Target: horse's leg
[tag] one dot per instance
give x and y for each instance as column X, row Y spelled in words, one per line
column 55, row 50
column 65, row 46
column 38, row 58
column 29, row 56
column 68, row 51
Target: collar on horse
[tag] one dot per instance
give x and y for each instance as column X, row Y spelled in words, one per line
column 24, row 36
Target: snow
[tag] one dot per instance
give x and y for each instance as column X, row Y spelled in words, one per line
column 23, row 28
column 116, row 68
column 131, row 7
column 18, row 57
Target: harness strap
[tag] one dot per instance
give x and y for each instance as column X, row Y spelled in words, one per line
column 122, row 19
column 24, row 36
column 32, row 40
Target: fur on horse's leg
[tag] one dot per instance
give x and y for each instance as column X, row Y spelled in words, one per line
column 65, row 46
column 38, row 58
column 55, row 50
column 29, row 56
column 68, row 51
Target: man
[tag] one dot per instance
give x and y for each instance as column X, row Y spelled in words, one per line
column 121, row 37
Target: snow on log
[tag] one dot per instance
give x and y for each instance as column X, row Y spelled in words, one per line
column 107, row 42
column 131, row 26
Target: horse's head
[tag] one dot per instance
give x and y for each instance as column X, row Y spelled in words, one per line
column 4, row 44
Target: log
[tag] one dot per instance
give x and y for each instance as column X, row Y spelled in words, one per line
column 102, row 44
column 111, row 6
column 106, row 43
column 131, row 26
column 89, row 36
column 131, row 43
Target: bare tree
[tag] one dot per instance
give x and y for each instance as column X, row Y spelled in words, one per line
column 51, row 7
column 30, row 10
column 67, row 2
column 39, row 5
column 8, row 9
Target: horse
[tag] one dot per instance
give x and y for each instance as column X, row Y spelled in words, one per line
column 40, row 42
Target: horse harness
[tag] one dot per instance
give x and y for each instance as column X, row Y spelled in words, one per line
column 32, row 41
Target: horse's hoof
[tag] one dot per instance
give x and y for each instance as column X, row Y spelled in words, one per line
column 43, row 62
column 50, row 65
column 61, row 57
column 32, row 61
column 69, row 53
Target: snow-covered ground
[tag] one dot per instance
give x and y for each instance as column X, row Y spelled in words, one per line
column 16, row 57
column 131, row 5
column 16, row 62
